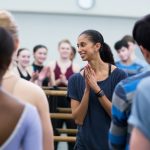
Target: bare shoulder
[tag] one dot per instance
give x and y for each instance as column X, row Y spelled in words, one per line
column 29, row 86
column 29, row 92
column 113, row 67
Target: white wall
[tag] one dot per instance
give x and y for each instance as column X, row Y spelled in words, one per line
column 128, row 8
column 47, row 22
column 49, row 29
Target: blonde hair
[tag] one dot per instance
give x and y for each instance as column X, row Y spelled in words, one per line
column 64, row 41
column 8, row 22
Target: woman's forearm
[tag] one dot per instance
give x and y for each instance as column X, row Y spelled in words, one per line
column 80, row 112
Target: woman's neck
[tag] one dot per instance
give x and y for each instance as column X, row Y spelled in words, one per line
column 64, row 62
column 100, row 68
column 98, row 65
column 22, row 69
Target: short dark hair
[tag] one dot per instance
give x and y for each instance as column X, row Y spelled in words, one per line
column 119, row 44
column 38, row 47
column 141, row 32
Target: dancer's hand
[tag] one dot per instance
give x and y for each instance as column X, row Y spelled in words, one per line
column 91, row 78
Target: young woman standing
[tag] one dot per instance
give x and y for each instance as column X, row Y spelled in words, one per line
column 45, row 76
column 63, row 68
column 91, row 91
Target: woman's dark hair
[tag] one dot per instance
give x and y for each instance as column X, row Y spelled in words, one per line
column 20, row 50
column 73, row 50
column 6, row 49
column 105, row 51
column 38, row 47
column 141, row 32
column 107, row 55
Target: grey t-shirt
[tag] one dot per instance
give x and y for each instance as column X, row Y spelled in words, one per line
column 141, row 108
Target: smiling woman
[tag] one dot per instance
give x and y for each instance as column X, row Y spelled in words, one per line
column 90, row 91
column 63, row 69
column 41, row 75
column 23, row 60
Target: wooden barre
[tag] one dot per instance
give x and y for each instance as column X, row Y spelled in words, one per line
column 61, row 116
column 55, row 92
column 53, row 88
column 68, row 131
column 64, row 110
column 64, row 138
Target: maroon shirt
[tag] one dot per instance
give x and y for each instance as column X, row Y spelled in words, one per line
column 57, row 72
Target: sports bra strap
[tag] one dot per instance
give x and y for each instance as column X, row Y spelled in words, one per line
column 109, row 69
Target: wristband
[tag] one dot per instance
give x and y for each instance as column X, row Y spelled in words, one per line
column 100, row 93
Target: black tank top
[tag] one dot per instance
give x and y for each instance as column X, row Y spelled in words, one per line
column 28, row 77
column 109, row 69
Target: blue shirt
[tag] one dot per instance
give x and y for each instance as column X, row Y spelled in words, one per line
column 27, row 134
column 121, row 107
column 131, row 69
column 93, row 134
column 141, row 107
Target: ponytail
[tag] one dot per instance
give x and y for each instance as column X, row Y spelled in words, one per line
column 106, row 54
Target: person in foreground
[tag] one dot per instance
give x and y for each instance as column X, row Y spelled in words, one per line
column 18, row 129
column 120, row 131
column 139, row 118
column 91, row 91
column 23, row 89
column 140, row 137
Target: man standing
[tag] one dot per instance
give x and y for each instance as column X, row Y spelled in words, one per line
column 124, row 93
